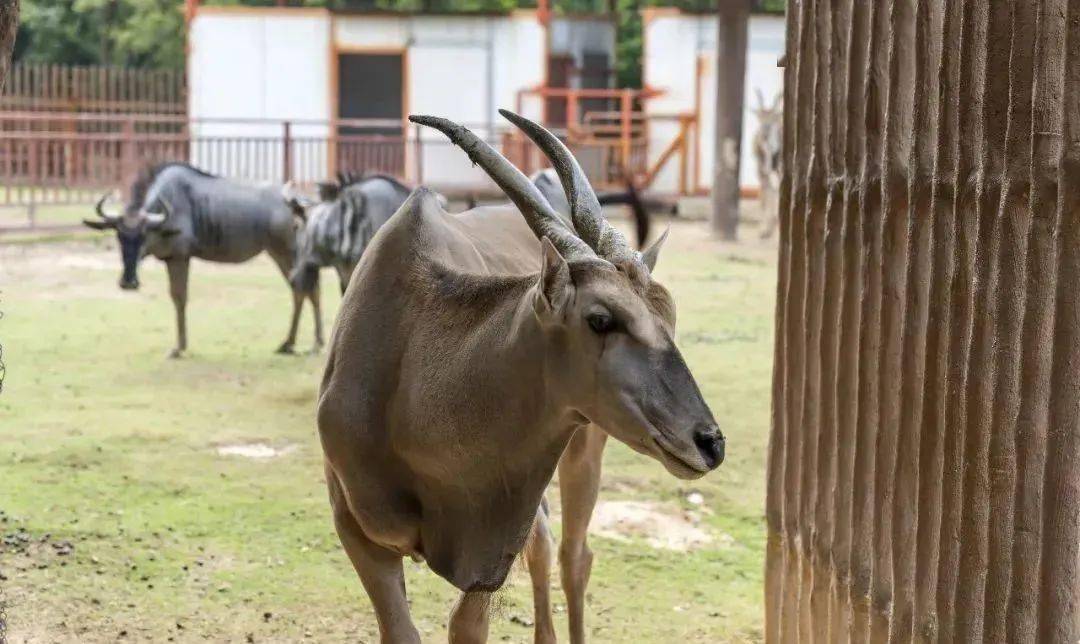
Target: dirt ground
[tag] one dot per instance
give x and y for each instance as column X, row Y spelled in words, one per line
column 143, row 499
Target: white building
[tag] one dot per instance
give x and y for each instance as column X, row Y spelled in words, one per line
column 250, row 68
column 679, row 59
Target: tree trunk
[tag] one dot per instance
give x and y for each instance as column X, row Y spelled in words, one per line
column 9, row 25
column 734, row 16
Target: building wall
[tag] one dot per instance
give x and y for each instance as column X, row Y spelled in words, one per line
column 252, row 69
column 579, row 36
column 258, row 64
column 674, row 43
column 460, row 67
column 269, row 63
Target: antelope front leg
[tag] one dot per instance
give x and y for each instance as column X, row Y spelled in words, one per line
column 579, row 485
column 380, row 571
column 538, row 557
column 178, row 287
column 469, row 619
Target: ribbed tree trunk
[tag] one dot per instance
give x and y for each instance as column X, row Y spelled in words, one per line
column 924, row 464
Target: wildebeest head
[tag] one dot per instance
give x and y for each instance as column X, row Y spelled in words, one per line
column 136, row 229
column 607, row 325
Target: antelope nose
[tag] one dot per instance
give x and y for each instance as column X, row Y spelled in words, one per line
column 710, row 443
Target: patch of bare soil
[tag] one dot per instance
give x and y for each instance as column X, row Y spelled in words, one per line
column 63, row 270
column 660, row 527
column 255, row 451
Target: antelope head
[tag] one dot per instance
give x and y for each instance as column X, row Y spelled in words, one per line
column 607, row 326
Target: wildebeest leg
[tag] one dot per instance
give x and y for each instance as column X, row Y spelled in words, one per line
column 469, row 619
column 316, row 309
column 178, row 283
column 380, row 571
column 538, row 558
column 284, row 264
column 344, row 272
column 579, row 485
column 294, row 323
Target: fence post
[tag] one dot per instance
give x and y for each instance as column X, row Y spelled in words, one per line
column 129, row 161
column 286, row 153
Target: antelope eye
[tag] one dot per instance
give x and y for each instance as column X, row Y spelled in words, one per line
column 600, row 322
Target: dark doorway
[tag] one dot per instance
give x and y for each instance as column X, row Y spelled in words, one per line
column 559, row 70
column 371, row 86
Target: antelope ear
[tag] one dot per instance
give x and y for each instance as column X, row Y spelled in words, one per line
column 553, row 286
column 652, row 253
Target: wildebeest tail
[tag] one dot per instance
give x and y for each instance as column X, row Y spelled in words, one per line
column 630, row 197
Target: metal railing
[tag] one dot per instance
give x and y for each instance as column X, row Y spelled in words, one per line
column 52, row 160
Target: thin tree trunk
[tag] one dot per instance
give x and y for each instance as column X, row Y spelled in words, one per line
column 9, row 25
column 734, row 17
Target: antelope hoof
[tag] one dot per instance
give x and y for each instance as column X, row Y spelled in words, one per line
column 175, row 354
column 286, row 348
column 316, row 350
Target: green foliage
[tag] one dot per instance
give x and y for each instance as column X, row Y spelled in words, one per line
column 137, row 33
column 150, row 33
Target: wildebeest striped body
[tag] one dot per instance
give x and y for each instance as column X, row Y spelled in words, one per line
column 339, row 228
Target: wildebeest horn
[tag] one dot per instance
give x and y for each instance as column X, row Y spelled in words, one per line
column 540, row 216
column 106, row 220
column 100, row 208
column 585, row 210
column 157, row 219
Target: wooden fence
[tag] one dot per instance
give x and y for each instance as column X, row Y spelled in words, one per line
column 50, row 160
column 94, row 88
column 924, row 466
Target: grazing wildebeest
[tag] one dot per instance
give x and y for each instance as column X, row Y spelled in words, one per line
column 502, row 334
column 177, row 212
column 768, row 146
column 338, row 228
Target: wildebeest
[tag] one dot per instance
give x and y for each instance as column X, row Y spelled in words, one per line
column 338, row 228
column 768, row 147
column 177, row 212
column 350, row 210
column 502, row 333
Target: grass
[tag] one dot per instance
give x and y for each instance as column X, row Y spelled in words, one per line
column 106, row 444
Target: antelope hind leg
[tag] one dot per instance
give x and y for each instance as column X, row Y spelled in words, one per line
column 538, row 557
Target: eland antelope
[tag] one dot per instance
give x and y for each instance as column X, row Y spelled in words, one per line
column 474, row 351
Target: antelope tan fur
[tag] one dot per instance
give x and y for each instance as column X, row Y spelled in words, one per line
column 469, row 352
